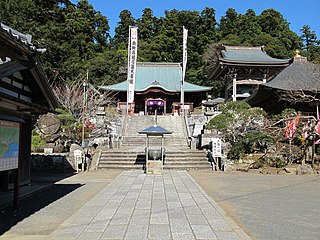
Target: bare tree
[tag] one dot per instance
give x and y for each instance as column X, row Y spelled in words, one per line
column 79, row 97
column 211, row 56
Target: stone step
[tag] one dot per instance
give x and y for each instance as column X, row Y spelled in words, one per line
column 143, row 159
column 122, row 166
column 165, row 167
column 177, row 154
column 122, row 162
column 122, row 154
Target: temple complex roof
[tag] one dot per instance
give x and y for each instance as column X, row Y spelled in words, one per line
column 248, row 55
column 166, row 76
column 297, row 76
column 237, row 57
column 300, row 75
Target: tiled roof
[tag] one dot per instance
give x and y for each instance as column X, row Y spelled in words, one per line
column 248, row 55
column 166, row 76
column 297, row 76
column 20, row 54
column 24, row 39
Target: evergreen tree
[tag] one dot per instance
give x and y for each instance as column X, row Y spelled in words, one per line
column 249, row 27
column 272, row 22
column 121, row 35
column 147, row 25
column 77, row 38
column 230, row 23
column 311, row 46
column 308, row 37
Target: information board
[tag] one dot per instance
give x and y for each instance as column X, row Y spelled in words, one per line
column 216, row 147
column 9, row 145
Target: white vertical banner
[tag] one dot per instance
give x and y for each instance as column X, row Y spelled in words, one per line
column 184, row 62
column 132, row 62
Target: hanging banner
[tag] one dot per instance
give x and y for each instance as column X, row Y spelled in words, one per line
column 132, row 62
column 291, row 126
column 184, row 62
column 9, row 145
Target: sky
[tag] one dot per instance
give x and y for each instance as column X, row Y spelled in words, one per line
column 298, row 13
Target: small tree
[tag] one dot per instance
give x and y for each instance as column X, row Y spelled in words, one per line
column 241, row 126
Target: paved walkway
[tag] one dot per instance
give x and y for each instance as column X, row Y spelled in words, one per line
column 139, row 206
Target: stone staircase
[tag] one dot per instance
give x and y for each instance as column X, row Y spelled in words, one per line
column 175, row 124
column 131, row 154
column 125, row 159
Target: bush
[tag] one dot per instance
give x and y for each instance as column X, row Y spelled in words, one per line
column 277, row 162
column 256, row 141
column 37, row 143
column 220, row 122
column 235, row 151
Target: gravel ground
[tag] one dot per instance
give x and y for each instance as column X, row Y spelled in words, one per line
column 267, row 206
column 41, row 213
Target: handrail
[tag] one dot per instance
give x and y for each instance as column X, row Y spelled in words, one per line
column 189, row 137
column 98, row 159
column 123, row 130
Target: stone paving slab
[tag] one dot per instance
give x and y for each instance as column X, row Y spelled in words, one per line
column 140, row 206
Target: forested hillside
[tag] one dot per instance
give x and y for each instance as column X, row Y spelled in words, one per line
column 77, row 37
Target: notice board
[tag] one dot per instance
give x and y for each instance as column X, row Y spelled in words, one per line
column 9, row 145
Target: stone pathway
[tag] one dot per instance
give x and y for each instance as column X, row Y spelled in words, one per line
column 139, row 206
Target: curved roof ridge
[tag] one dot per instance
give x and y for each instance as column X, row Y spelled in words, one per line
column 158, row 64
column 259, row 48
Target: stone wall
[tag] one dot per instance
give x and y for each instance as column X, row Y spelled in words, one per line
column 40, row 162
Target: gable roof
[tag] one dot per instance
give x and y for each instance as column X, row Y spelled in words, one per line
column 166, row 76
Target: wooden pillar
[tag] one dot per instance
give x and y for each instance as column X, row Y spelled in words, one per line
column 16, row 192
column 145, row 107
column 16, row 172
column 234, row 88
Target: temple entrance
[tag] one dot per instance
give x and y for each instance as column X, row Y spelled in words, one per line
column 151, row 105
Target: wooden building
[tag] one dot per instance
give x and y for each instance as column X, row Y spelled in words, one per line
column 158, row 86
column 297, row 87
column 24, row 94
column 242, row 69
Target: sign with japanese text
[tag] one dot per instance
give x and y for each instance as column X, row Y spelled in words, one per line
column 184, row 61
column 216, row 147
column 132, row 62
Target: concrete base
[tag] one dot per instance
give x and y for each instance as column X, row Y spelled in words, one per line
column 154, row 167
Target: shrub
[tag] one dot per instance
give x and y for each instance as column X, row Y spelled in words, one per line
column 37, row 143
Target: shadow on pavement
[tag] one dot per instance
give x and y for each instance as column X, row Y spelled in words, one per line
column 33, row 203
